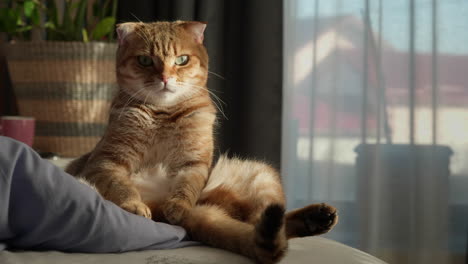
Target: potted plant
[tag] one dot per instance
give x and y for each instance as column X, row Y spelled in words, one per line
column 62, row 65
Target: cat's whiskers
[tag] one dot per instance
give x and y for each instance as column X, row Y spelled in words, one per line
column 217, row 75
column 139, row 20
column 147, row 94
column 131, row 99
column 128, row 102
column 113, row 106
column 120, row 93
column 201, row 88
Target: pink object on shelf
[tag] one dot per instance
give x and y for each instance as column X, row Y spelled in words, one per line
column 20, row 128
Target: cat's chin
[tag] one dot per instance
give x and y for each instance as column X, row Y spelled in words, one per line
column 164, row 90
column 155, row 96
column 164, row 97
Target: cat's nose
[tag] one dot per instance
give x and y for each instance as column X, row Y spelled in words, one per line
column 164, row 79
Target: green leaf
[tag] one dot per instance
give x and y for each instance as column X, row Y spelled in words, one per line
column 23, row 15
column 85, row 35
column 103, row 28
column 49, row 25
column 36, row 17
column 67, row 24
column 29, row 7
column 24, row 29
column 113, row 14
column 19, row 18
column 52, row 23
column 80, row 16
column 52, row 11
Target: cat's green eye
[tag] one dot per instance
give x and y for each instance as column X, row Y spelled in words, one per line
column 145, row 61
column 181, row 60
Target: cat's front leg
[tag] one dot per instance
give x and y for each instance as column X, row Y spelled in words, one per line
column 189, row 183
column 111, row 179
column 136, row 206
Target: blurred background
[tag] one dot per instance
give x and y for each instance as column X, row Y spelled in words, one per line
column 361, row 104
column 375, row 121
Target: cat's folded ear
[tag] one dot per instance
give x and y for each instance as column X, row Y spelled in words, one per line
column 196, row 29
column 123, row 30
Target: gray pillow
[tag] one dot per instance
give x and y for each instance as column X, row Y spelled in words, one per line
column 44, row 208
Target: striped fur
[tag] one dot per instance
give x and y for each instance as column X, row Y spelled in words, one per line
column 155, row 157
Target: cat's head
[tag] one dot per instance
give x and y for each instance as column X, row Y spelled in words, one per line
column 162, row 63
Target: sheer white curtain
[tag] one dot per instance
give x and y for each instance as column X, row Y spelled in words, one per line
column 375, row 122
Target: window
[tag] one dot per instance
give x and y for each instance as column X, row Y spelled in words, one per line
column 375, row 121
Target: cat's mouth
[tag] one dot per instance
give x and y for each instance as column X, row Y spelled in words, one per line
column 164, row 89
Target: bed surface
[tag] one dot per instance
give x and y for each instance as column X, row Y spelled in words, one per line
column 301, row 250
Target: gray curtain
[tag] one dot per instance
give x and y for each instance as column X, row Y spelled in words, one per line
column 375, row 116
column 244, row 41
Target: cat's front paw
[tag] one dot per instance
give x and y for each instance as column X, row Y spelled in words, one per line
column 137, row 207
column 175, row 210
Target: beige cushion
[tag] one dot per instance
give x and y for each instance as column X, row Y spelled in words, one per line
column 301, row 250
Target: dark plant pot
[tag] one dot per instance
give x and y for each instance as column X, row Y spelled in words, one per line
column 403, row 191
column 67, row 87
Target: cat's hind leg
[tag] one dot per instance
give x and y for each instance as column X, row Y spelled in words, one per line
column 264, row 242
column 312, row 220
column 250, row 195
column 270, row 241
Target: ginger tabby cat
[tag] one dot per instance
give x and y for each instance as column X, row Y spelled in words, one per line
column 155, row 158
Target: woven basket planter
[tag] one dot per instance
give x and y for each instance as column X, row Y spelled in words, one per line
column 67, row 87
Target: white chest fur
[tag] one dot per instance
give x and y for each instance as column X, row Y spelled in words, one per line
column 153, row 183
